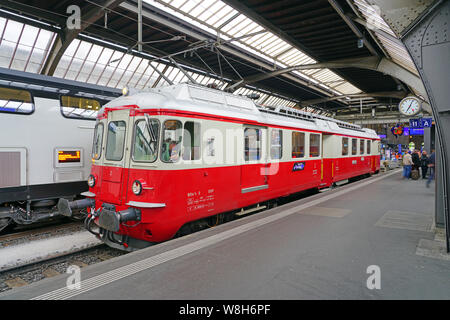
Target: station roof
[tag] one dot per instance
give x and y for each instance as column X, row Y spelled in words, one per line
column 237, row 45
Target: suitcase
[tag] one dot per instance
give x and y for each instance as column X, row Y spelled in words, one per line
column 415, row 174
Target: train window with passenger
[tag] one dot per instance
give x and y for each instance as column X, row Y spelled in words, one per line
column 191, row 141
column 276, row 144
column 344, row 146
column 314, row 145
column 298, row 144
column 79, row 107
column 98, row 141
column 354, row 146
column 16, row 101
column 252, row 144
column 171, row 143
column 115, row 140
column 146, row 134
column 368, row 146
column 361, row 146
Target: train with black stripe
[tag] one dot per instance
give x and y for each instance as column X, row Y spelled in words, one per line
column 185, row 154
column 47, row 126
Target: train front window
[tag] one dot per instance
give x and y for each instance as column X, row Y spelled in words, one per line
column 146, row 133
column 115, row 140
column 171, row 143
column 98, row 140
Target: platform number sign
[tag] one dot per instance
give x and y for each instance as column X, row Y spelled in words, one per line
column 421, row 123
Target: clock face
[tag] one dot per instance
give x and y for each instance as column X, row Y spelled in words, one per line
column 409, row 106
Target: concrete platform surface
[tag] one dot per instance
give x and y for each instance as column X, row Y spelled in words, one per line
column 365, row 240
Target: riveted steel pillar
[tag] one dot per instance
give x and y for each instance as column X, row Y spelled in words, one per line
column 428, row 44
column 424, row 28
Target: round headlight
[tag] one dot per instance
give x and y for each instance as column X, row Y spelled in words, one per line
column 137, row 187
column 91, row 181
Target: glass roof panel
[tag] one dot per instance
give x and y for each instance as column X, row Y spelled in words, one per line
column 268, row 45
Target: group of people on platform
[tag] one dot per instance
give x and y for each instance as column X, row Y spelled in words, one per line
column 415, row 160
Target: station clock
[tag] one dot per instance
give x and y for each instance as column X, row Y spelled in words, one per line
column 410, row 106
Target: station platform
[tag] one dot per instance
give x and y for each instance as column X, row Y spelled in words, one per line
column 319, row 247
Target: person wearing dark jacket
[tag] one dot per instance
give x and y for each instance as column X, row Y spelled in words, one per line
column 416, row 160
column 432, row 166
column 424, row 164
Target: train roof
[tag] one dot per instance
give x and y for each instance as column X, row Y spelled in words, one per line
column 200, row 99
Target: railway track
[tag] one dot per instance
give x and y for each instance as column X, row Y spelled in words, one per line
column 54, row 265
column 12, row 238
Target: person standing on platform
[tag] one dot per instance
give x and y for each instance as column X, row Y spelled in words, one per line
column 416, row 160
column 407, row 164
column 432, row 166
column 424, row 164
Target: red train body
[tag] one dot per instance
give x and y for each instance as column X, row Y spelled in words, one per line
column 179, row 154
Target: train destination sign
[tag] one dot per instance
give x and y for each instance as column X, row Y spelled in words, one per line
column 69, row 156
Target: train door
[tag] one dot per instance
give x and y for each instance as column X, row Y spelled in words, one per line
column 254, row 175
column 329, row 158
column 117, row 158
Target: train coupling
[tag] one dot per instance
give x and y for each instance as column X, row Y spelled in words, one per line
column 110, row 219
column 65, row 206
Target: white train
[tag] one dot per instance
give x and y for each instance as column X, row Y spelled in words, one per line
column 45, row 143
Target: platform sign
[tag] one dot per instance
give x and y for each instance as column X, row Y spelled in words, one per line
column 421, row 123
column 427, row 122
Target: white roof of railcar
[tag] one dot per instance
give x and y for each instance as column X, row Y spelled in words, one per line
column 199, row 99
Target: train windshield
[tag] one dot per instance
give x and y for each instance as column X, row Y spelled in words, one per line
column 98, row 140
column 146, row 133
column 115, row 140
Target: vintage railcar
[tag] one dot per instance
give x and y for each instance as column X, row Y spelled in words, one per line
column 170, row 156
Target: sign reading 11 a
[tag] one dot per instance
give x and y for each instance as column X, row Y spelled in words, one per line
column 421, row 123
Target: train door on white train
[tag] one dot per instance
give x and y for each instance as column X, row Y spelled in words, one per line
column 254, row 169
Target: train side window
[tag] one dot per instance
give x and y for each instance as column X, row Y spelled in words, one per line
column 354, row 148
column 276, row 144
column 145, row 142
column 115, row 140
column 252, row 144
column 191, row 141
column 16, row 101
column 98, row 141
column 369, row 142
column 79, row 107
column 171, row 143
column 361, row 146
column 314, row 145
column 344, row 146
column 298, row 144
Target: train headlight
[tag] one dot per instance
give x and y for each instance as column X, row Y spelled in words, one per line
column 91, row 181
column 137, row 187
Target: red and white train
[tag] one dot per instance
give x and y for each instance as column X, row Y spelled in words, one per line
column 182, row 153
